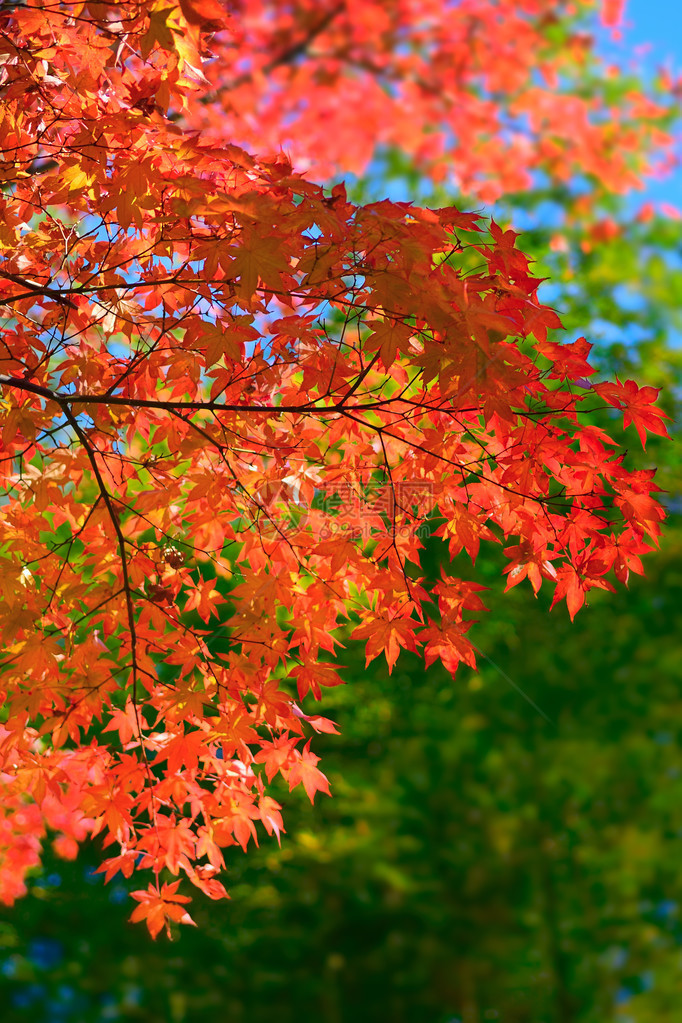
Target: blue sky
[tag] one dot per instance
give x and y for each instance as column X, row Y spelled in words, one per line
column 658, row 22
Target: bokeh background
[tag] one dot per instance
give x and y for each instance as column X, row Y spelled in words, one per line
column 479, row 860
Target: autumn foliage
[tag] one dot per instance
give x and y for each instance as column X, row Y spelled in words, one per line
column 234, row 404
column 486, row 94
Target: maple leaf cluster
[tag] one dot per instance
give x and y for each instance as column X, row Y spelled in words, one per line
column 485, row 94
column 233, row 406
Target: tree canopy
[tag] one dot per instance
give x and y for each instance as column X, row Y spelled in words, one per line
column 236, row 405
